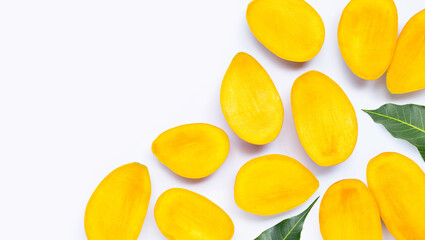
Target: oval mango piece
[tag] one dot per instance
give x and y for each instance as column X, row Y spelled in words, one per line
column 273, row 184
column 367, row 35
column 324, row 118
column 118, row 206
column 193, row 150
column 184, row 215
column 291, row 29
column 397, row 184
column 407, row 69
column 250, row 102
column 348, row 211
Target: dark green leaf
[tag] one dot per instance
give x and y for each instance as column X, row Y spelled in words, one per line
column 404, row 122
column 288, row 229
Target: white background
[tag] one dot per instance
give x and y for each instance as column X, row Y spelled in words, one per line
column 87, row 85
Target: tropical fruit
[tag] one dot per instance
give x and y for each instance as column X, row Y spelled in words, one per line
column 398, row 186
column 184, row 215
column 367, row 36
column 348, row 211
column 250, row 102
column 291, row 29
column 407, row 69
column 324, row 118
column 118, row 206
column 273, row 184
column 193, row 150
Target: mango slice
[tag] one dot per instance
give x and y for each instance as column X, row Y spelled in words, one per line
column 184, row 215
column 291, row 29
column 398, row 186
column 273, row 184
column 250, row 102
column 407, row 69
column 193, row 150
column 348, row 211
column 367, row 36
column 324, row 118
column 118, row 206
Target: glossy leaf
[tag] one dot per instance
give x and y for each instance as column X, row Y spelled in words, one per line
column 403, row 121
column 288, row 229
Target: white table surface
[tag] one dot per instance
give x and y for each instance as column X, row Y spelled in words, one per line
column 86, row 86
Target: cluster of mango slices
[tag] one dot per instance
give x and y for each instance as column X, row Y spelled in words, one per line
column 326, row 124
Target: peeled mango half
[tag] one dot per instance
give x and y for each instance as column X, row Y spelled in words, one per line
column 250, row 102
column 118, row 206
column 398, row 186
column 291, row 29
column 273, row 184
column 193, row 150
column 367, row 36
column 324, row 118
column 349, row 212
column 407, row 70
column 184, row 215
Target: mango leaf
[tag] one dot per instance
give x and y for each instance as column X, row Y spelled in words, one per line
column 288, row 229
column 404, row 122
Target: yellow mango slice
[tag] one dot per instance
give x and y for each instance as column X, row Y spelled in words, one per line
column 348, row 211
column 407, row 69
column 118, row 206
column 273, row 184
column 250, row 102
column 324, row 118
column 291, row 29
column 398, row 186
column 184, row 215
column 193, row 150
column 367, row 36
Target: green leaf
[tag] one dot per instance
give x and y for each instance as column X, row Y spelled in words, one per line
column 404, row 122
column 288, row 229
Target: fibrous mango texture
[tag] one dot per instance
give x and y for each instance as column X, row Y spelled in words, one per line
column 367, row 36
column 273, row 184
column 250, row 102
column 291, row 29
column 118, row 206
column 324, row 118
column 349, row 212
column 407, row 69
column 184, row 215
column 192, row 150
column 398, row 186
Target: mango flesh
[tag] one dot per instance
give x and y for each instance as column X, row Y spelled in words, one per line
column 407, row 69
column 367, row 35
column 348, row 211
column 184, row 215
column 250, row 102
column 397, row 184
column 273, row 184
column 324, row 118
column 291, row 29
column 118, row 206
column 192, row 150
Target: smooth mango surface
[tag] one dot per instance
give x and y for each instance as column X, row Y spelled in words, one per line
column 324, row 118
column 348, row 211
column 250, row 102
column 398, row 186
column 273, row 184
column 291, row 29
column 118, row 206
column 184, row 215
column 367, row 36
column 407, row 70
column 192, row 150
